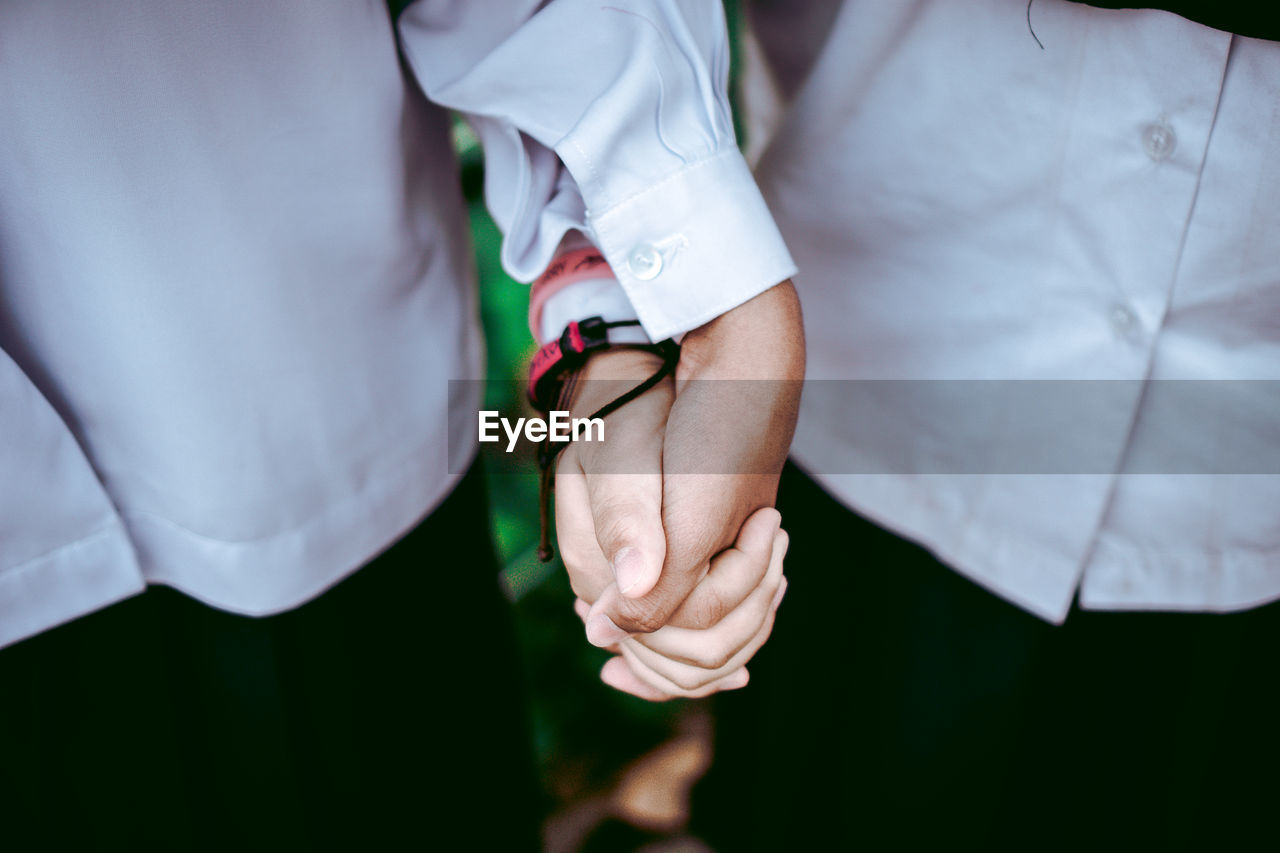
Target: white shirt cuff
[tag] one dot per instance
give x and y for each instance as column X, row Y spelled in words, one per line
column 692, row 246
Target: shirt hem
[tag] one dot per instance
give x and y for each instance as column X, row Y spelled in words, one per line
column 69, row 582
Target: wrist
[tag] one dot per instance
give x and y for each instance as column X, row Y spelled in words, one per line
column 609, row 374
column 763, row 338
column 621, row 363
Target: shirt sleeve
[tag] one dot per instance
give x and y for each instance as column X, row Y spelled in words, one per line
column 613, row 120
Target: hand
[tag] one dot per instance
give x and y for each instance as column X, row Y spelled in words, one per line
column 610, row 492
column 674, row 662
column 720, row 452
column 614, row 488
column 636, row 541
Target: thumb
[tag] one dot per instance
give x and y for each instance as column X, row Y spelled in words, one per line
column 627, row 512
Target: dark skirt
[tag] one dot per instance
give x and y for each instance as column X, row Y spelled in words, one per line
column 900, row 706
column 385, row 714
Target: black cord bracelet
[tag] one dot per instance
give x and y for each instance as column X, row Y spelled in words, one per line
column 549, row 451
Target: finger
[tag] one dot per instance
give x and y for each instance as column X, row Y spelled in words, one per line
column 738, row 570
column 627, row 513
column 666, row 674
column 582, row 608
column 618, row 675
column 697, row 511
column 712, row 647
column 735, row 573
column 660, row 684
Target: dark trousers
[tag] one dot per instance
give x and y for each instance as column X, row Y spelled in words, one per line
column 899, row 706
column 387, row 714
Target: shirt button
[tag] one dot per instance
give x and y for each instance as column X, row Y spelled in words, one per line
column 1159, row 140
column 1123, row 319
column 644, row 262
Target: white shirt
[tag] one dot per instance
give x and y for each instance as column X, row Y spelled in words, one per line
column 235, row 277
column 965, row 205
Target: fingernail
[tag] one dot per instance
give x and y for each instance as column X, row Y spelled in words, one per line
column 737, row 680
column 602, row 632
column 628, row 568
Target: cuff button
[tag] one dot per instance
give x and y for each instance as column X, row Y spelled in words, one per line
column 644, row 262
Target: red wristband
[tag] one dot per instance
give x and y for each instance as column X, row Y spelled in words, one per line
column 569, row 268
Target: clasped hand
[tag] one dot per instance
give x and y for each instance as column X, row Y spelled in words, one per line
column 667, row 527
